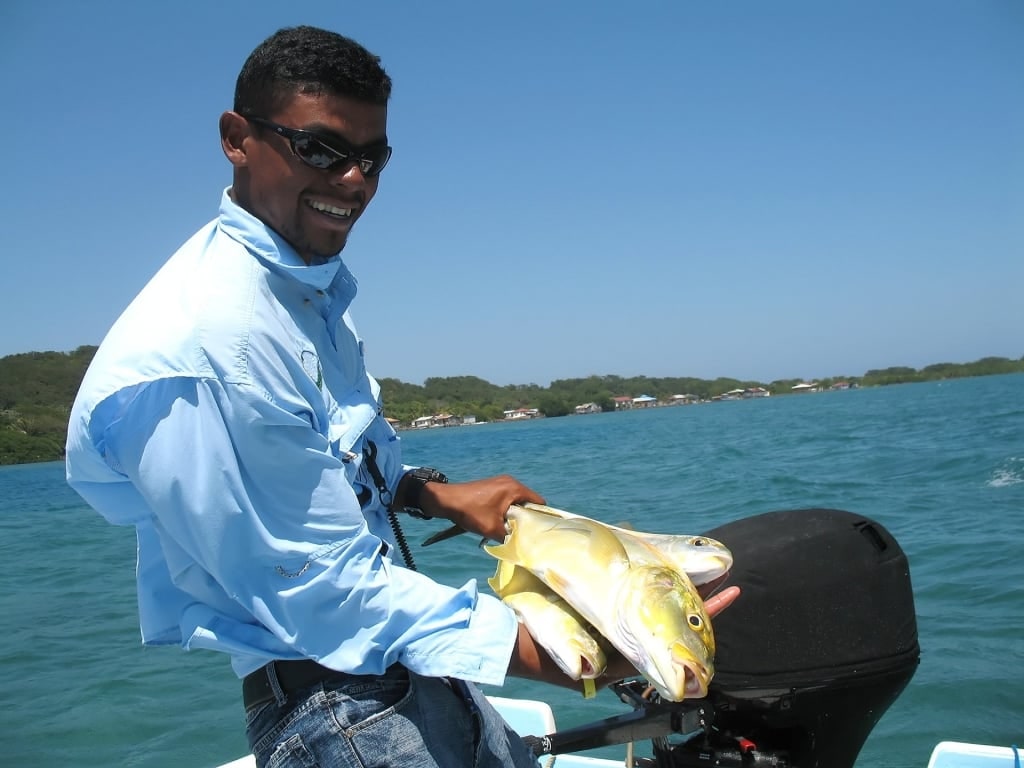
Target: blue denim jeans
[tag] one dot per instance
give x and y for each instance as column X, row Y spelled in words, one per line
column 398, row 719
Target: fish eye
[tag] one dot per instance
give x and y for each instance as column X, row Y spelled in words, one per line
column 699, row 542
column 695, row 621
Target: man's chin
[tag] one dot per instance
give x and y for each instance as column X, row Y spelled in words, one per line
column 321, row 252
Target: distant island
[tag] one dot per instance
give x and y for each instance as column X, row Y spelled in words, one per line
column 38, row 388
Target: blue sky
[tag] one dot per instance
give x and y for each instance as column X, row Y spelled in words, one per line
column 760, row 190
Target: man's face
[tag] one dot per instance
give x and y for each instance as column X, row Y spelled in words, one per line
column 312, row 209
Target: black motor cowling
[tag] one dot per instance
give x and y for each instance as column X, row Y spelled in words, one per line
column 819, row 645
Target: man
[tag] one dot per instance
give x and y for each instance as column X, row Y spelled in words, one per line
column 229, row 417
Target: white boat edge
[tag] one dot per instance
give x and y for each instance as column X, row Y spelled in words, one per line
column 535, row 717
column 961, row 754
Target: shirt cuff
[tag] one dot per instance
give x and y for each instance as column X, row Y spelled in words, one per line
column 480, row 653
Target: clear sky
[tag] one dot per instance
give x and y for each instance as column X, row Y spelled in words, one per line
column 760, row 190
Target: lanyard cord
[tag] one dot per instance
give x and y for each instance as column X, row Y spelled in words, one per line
column 370, row 453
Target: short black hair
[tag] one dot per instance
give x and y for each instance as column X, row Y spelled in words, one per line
column 308, row 60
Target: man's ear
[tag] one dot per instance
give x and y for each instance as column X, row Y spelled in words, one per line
column 234, row 129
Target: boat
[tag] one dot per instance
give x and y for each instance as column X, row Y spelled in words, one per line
column 535, row 717
column 797, row 682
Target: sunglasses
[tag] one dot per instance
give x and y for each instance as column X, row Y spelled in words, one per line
column 317, row 153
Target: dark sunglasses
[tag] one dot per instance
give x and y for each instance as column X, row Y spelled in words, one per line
column 317, row 153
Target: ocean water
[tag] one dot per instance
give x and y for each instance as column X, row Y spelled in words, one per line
column 940, row 464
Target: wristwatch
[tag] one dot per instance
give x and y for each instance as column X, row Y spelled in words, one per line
column 414, row 487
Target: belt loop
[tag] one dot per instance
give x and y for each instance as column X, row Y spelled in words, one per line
column 275, row 685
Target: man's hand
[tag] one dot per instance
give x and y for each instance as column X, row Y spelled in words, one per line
column 478, row 506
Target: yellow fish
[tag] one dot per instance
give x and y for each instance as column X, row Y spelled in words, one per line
column 702, row 558
column 552, row 622
column 648, row 609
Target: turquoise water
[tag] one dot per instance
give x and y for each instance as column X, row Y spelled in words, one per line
column 941, row 465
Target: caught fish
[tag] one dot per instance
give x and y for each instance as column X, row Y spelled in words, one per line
column 648, row 609
column 702, row 558
column 551, row 621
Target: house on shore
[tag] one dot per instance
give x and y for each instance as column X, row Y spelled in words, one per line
column 518, row 414
column 437, row 420
column 684, row 399
column 732, row 394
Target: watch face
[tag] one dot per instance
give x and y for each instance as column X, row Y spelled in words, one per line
column 429, row 475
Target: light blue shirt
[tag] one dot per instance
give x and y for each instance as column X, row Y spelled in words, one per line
column 225, row 417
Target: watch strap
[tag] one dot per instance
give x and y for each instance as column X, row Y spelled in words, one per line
column 413, row 491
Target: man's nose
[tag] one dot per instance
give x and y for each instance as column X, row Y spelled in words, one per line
column 348, row 174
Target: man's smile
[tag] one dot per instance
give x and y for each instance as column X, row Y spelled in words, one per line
column 330, row 210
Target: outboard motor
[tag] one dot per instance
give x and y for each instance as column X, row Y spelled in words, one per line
column 818, row 646
column 821, row 642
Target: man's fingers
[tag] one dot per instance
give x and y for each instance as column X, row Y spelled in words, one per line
column 718, row 603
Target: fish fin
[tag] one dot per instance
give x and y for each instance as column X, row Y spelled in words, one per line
column 503, row 576
column 497, row 582
column 509, row 548
column 507, row 551
column 444, row 535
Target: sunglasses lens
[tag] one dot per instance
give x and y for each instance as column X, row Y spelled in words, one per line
column 313, row 152
column 377, row 157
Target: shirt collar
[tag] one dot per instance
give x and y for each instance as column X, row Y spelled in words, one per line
column 274, row 250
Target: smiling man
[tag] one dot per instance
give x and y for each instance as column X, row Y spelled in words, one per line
column 229, row 417
column 342, row 145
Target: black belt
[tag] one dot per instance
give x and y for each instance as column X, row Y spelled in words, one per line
column 291, row 676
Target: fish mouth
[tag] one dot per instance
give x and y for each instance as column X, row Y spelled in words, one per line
column 696, row 675
column 587, row 670
column 709, row 587
column 696, row 682
column 691, row 684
